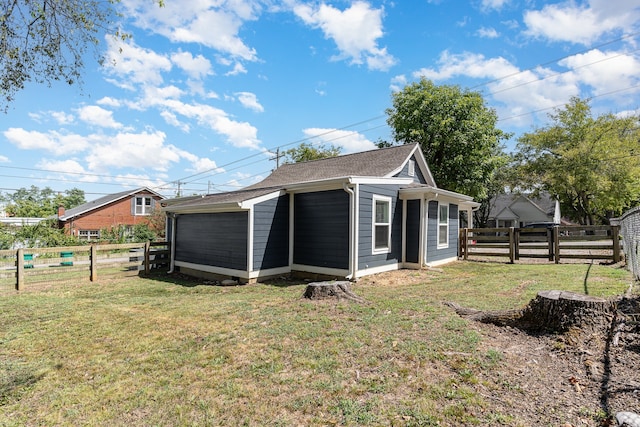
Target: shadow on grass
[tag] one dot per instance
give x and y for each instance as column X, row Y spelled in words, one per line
column 14, row 381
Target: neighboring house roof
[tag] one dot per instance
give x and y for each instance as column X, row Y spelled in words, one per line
column 501, row 206
column 103, row 201
column 380, row 163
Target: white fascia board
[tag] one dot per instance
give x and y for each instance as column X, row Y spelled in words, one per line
column 320, row 185
column 439, row 194
column 247, row 204
column 376, row 181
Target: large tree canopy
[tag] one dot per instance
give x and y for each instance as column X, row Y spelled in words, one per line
column 306, row 152
column 46, row 40
column 591, row 164
column 34, row 202
column 456, row 131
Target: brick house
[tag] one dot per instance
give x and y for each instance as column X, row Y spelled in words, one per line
column 127, row 208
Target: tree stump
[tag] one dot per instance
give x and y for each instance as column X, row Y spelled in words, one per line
column 550, row 311
column 338, row 290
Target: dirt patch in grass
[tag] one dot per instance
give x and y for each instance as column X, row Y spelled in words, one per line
column 570, row 380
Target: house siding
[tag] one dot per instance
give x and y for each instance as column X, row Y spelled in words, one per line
column 418, row 176
column 321, row 229
column 412, row 250
column 366, row 257
column 433, row 253
column 214, row 239
column 271, row 234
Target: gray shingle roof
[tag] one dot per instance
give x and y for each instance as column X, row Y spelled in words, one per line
column 544, row 202
column 102, row 201
column 376, row 163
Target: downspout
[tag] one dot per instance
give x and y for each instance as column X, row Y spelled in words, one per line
column 172, row 262
column 353, row 231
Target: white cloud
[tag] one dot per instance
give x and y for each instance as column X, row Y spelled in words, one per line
column 487, row 33
column 604, row 71
column 584, row 23
column 134, row 65
column 494, row 4
column 98, row 116
column 70, row 169
column 349, row 141
column 145, row 150
column 238, row 134
column 62, row 118
column 4, row 159
column 196, row 67
column 109, row 102
column 238, row 68
column 172, row 119
column 53, row 142
column 213, row 24
column 398, row 82
column 354, row 30
column 250, row 101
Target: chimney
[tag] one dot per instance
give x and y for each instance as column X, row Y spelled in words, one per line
column 60, row 211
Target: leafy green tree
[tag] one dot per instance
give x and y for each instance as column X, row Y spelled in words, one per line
column 45, row 234
column 34, row 202
column 456, row 131
column 306, row 152
column 591, row 164
column 45, row 41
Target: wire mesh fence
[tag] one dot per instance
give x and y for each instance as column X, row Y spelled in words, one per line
column 630, row 230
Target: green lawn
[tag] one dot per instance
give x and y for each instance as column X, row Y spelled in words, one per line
column 154, row 351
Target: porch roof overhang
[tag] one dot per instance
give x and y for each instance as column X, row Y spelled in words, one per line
column 421, row 192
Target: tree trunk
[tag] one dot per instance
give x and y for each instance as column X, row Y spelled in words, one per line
column 339, row 290
column 550, row 311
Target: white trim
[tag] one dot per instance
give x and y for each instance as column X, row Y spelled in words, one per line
column 374, row 224
column 269, row 272
column 291, row 228
column 424, row 230
column 213, row 269
column 412, row 265
column 246, row 204
column 403, row 257
column 442, row 261
column 338, row 272
column 250, row 240
column 411, row 171
column 379, row 269
column 448, row 224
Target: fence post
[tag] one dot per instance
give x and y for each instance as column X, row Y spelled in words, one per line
column 516, row 243
column 556, row 244
column 93, row 259
column 19, row 269
column 615, row 235
column 465, row 244
column 147, row 257
column 511, row 245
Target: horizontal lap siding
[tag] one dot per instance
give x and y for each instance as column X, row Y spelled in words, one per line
column 271, row 234
column 366, row 258
column 418, row 176
column 215, row 239
column 321, row 229
column 433, row 253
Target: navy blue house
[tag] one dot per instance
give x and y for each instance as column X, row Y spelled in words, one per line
column 346, row 217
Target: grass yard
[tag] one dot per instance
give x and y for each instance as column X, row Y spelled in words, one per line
column 166, row 352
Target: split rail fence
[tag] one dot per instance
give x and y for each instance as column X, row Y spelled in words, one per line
column 38, row 266
column 554, row 243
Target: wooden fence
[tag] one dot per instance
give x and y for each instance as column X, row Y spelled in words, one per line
column 42, row 265
column 553, row 244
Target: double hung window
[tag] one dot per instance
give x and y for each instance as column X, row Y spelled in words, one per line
column 381, row 224
column 443, row 225
column 144, row 205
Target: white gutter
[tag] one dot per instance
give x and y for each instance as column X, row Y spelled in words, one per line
column 352, row 229
column 172, row 262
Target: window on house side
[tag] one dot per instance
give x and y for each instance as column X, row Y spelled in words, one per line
column 381, row 224
column 89, row 234
column 143, row 205
column 443, row 225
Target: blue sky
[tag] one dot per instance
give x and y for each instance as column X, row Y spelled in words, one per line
column 205, row 91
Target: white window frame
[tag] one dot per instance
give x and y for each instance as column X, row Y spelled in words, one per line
column 374, row 225
column 145, row 209
column 443, row 225
column 89, row 235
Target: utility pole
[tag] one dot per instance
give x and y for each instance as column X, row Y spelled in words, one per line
column 277, row 157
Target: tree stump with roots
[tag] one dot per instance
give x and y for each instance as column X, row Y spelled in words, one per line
column 325, row 290
column 550, row 311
